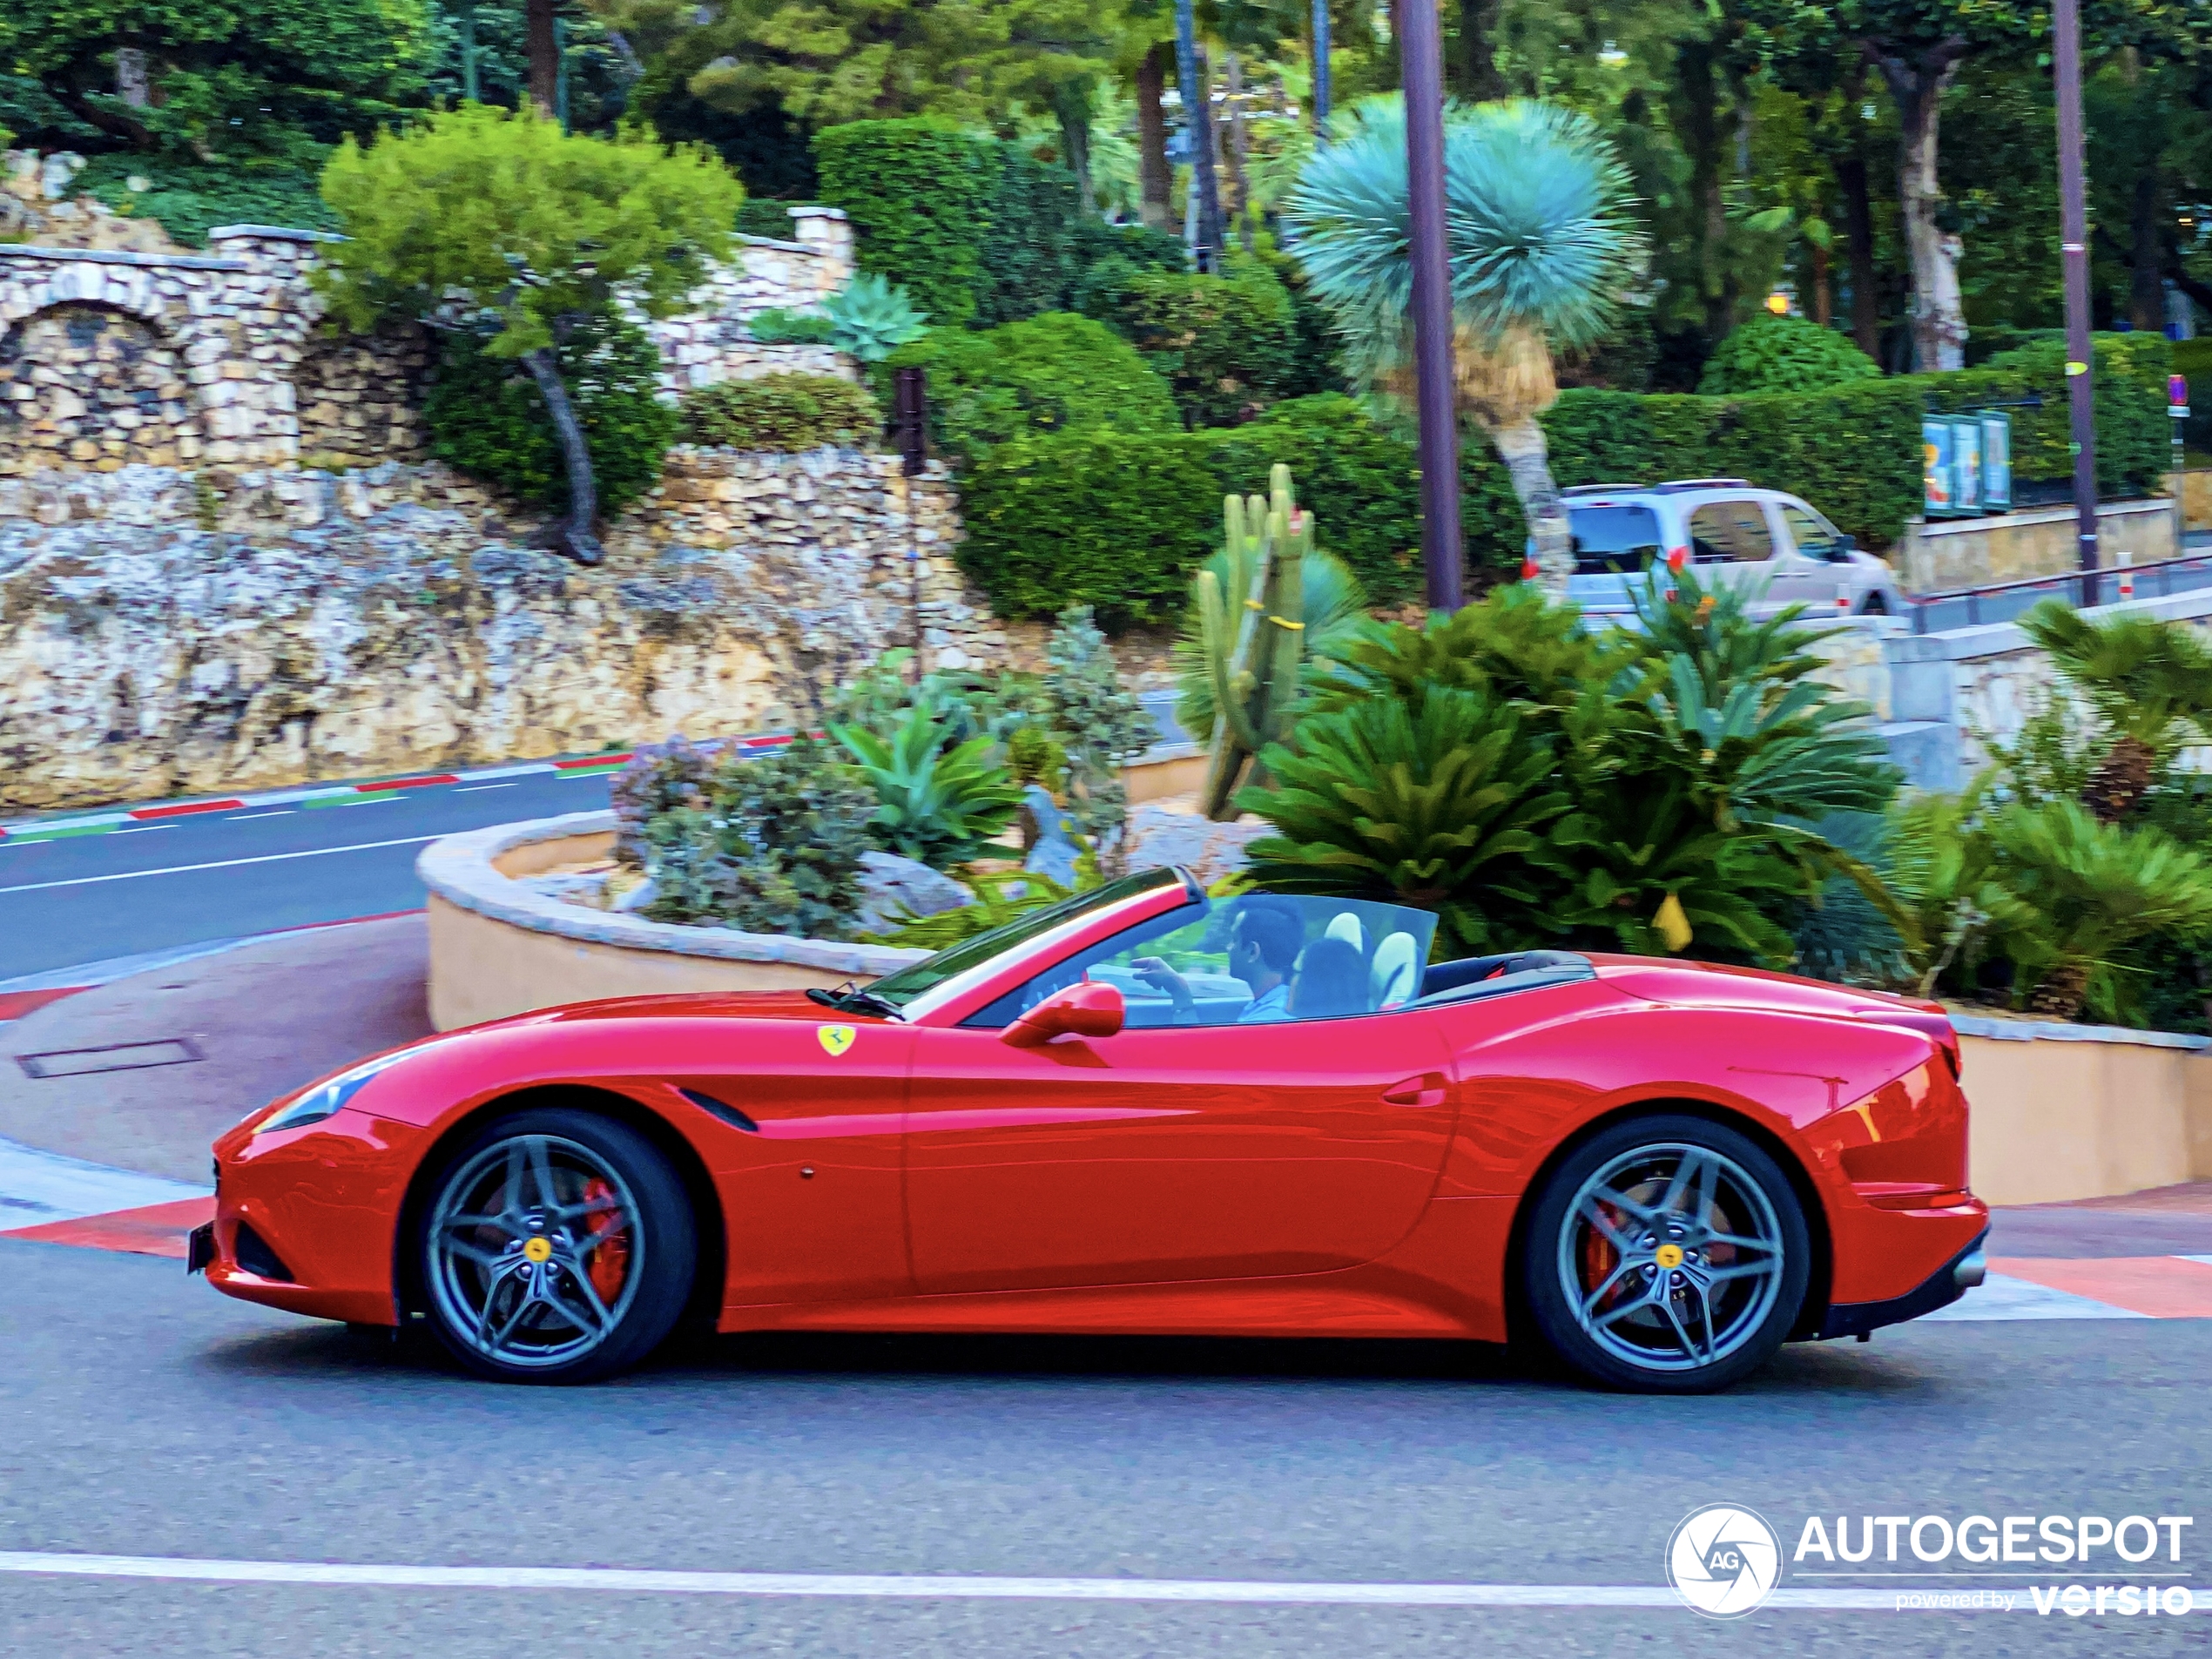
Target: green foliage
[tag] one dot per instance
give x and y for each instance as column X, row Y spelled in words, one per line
column 1097, row 726
column 518, row 226
column 1247, row 631
column 781, row 412
column 870, row 318
column 229, row 79
column 2133, row 444
column 1535, row 784
column 1028, row 260
column 937, row 801
column 915, row 191
column 1001, row 896
column 1784, row 354
column 487, row 417
column 2146, row 678
column 772, row 844
column 189, row 197
column 1226, row 346
column 766, row 216
column 779, row 326
column 1332, row 605
column 1055, row 373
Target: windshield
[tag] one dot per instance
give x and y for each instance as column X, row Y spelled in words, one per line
column 903, row 987
column 1614, row 539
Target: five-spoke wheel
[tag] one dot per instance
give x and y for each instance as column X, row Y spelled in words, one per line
column 1667, row 1254
column 557, row 1246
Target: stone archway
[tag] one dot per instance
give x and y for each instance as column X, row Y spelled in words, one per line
column 94, row 385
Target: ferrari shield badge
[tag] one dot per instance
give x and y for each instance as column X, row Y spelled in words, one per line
column 836, row 1039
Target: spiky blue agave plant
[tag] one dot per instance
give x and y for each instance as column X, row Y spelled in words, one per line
column 1541, row 237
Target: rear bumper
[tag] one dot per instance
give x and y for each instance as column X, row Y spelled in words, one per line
column 1940, row 1289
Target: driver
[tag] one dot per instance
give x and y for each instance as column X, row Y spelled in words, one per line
column 1264, row 942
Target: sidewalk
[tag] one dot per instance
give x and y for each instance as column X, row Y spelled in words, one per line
column 205, row 1041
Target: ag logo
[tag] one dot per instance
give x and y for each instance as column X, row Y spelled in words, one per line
column 836, row 1039
column 1723, row 1560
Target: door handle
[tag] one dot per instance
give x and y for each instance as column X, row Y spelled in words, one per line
column 1427, row 1090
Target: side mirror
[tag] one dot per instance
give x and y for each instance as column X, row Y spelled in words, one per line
column 1090, row 1009
column 1843, row 548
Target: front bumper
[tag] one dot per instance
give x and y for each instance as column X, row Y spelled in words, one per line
column 1940, row 1289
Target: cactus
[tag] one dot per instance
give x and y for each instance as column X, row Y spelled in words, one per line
column 1250, row 634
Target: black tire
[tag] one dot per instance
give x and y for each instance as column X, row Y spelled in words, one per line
column 619, row 1248
column 1727, row 1306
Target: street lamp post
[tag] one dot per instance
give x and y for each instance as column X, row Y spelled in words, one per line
column 1421, row 49
column 2074, row 237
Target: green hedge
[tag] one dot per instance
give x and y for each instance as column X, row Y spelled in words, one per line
column 916, row 191
column 1119, row 521
column 782, row 413
column 1054, row 372
column 1226, row 346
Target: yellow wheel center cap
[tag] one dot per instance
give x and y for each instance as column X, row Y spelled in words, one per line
column 1667, row 1256
column 540, row 1250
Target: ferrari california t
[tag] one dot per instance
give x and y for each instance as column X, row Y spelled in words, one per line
column 1142, row 1110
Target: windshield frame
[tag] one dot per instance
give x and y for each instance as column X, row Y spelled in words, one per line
column 990, row 956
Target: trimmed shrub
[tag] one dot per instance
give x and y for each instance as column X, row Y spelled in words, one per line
column 2132, row 442
column 486, row 416
column 917, row 190
column 1055, row 373
column 782, row 413
column 1226, row 346
column 1028, row 260
column 1784, row 354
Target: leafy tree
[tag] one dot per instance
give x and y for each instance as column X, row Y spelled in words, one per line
column 1541, row 250
column 503, row 227
column 203, row 79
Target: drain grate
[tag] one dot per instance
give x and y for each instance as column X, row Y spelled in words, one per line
column 120, row 1056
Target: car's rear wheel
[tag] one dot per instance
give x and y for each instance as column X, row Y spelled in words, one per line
column 557, row 1245
column 1667, row 1255
column 1876, row 606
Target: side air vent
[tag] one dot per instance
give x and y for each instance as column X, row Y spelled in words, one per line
column 254, row 1255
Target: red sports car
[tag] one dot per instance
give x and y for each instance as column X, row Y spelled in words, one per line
column 1142, row 1110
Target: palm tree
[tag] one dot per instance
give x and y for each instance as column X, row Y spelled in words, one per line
column 1543, row 248
column 2149, row 681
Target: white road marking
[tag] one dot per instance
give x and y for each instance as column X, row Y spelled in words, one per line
column 225, row 864
column 878, row 1586
column 2002, row 1297
column 284, row 812
column 142, row 829
column 478, row 789
column 37, row 1187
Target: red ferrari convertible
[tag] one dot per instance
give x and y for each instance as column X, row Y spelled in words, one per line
column 1144, row 1111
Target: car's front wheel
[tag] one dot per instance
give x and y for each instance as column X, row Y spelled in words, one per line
column 1667, row 1255
column 557, row 1245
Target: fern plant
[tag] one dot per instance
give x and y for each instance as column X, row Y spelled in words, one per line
column 2150, row 682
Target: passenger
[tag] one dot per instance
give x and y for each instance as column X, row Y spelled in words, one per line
column 1264, row 942
column 1330, row 981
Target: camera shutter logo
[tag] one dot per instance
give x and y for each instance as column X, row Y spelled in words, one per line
column 1723, row 1560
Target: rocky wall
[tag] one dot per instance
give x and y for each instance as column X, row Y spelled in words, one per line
column 168, row 632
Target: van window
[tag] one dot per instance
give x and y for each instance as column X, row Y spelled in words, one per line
column 1812, row 534
column 1730, row 532
column 1614, row 539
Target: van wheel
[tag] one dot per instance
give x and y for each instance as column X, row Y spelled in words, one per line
column 1667, row 1255
column 558, row 1246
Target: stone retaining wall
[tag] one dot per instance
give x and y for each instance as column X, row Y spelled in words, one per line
column 163, row 632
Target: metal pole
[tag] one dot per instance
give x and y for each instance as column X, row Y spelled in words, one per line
column 1198, row 125
column 1320, row 74
column 1421, row 47
column 2074, row 235
column 910, row 420
column 561, row 72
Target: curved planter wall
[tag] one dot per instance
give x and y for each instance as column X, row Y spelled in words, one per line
column 496, row 947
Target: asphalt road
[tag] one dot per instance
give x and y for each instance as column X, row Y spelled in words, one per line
column 219, row 875
column 148, row 1417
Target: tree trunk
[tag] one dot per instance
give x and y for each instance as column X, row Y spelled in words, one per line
column 1520, row 446
column 576, row 534
column 133, row 79
column 2147, row 229
column 1823, row 299
column 1071, row 104
column 544, row 54
column 1859, row 237
column 1939, row 317
column 1197, row 86
column 1240, row 195
column 1700, row 116
column 1476, row 78
column 1156, row 183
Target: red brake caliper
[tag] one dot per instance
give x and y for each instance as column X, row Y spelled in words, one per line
column 1599, row 1258
column 609, row 1250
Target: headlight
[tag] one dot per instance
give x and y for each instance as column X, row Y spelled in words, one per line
column 319, row 1103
